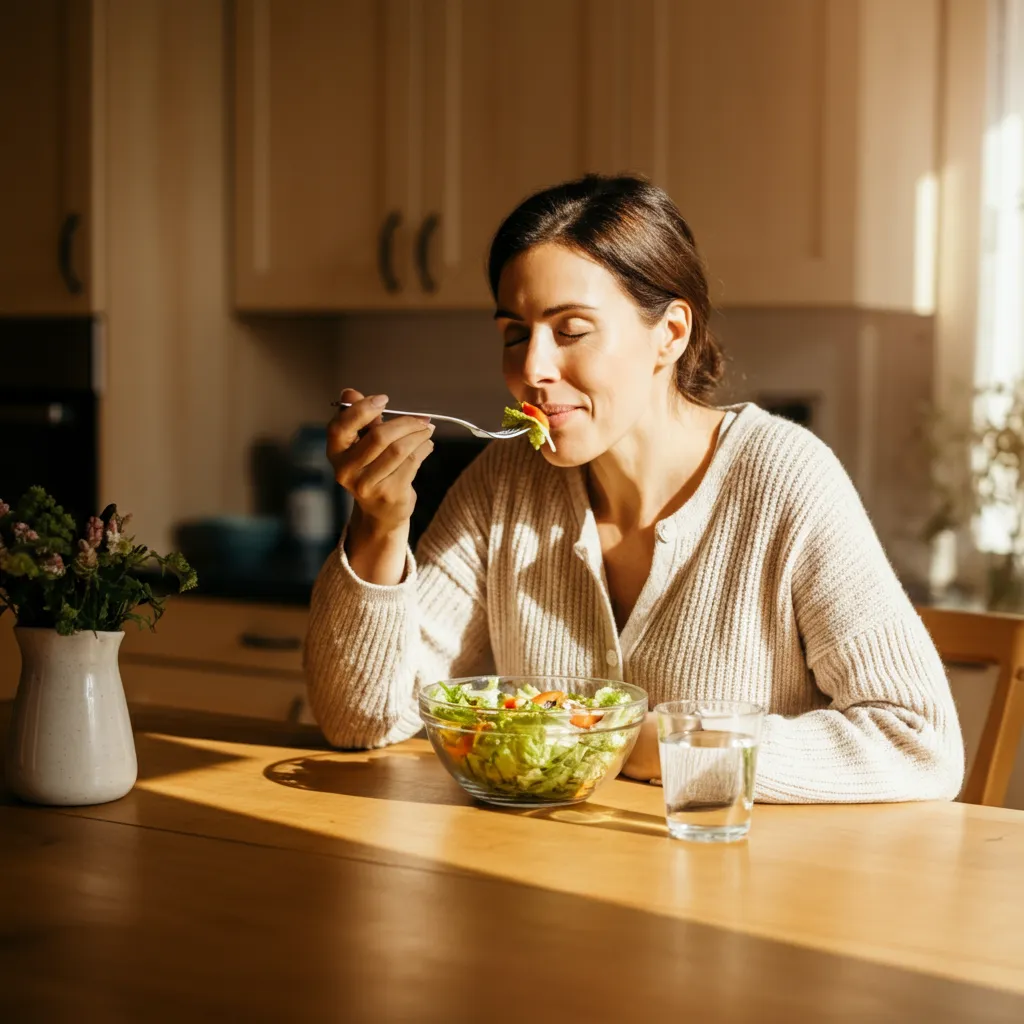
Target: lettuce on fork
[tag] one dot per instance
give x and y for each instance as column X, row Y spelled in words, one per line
column 534, row 418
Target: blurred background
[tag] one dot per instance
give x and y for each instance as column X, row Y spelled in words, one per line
column 214, row 215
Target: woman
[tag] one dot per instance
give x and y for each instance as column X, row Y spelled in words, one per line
column 697, row 552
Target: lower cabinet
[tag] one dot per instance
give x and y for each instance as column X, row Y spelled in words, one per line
column 226, row 657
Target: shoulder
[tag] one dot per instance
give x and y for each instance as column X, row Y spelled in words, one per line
column 778, row 457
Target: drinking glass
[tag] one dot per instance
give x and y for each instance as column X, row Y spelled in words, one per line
column 708, row 752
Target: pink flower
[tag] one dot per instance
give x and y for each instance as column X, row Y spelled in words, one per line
column 94, row 532
column 24, row 533
column 86, row 557
column 53, row 566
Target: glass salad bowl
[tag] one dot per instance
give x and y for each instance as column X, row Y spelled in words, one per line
column 532, row 741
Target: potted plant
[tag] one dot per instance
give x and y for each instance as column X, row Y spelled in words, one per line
column 978, row 472
column 71, row 593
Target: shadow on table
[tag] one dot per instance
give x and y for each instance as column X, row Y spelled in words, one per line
column 600, row 816
column 389, row 776
column 159, row 756
column 400, row 776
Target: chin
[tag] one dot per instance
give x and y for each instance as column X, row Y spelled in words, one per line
column 569, row 455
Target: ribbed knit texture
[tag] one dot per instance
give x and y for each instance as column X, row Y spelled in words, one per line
column 768, row 585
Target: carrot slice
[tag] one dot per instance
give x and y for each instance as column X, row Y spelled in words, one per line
column 550, row 698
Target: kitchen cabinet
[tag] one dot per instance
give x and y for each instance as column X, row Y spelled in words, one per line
column 321, row 135
column 51, row 76
column 379, row 145
column 220, row 656
column 509, row 108
column 798, row 139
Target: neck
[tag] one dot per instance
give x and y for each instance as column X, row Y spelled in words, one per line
column 656, row 467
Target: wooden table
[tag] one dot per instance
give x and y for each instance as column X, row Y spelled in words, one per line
column 259, row 882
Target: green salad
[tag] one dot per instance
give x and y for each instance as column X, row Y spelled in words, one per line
column 551, row 746
column 533, row 417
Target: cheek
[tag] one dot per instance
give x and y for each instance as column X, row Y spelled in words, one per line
column 512, row 370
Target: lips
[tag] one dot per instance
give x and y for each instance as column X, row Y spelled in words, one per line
column 558, row 414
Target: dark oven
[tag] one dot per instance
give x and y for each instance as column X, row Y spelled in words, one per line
column 49, row 370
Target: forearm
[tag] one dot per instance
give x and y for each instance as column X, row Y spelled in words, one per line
column 864, row 754
column 360, row 655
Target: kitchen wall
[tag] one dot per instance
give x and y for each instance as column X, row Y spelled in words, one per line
column 867, row 374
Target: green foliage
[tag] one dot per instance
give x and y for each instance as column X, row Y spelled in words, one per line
column 52, row 578
column 981, row 465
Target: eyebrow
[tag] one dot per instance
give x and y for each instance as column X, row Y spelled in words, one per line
column 504, row 314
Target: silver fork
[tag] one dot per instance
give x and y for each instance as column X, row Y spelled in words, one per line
column 498, row 435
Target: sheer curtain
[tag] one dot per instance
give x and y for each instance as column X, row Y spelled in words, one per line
column 1000, row 335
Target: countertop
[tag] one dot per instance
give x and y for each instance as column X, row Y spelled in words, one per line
column 264, row 877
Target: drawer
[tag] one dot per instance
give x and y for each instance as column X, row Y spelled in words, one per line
column 235, row 634
column 280, row 698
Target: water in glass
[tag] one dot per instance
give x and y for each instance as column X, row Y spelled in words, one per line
column 708, row 778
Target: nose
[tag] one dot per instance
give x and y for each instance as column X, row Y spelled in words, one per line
column 540, row 362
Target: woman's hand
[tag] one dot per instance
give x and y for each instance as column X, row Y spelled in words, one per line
column 376, row 462
column 644, row 763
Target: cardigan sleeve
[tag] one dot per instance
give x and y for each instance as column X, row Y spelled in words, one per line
column 370, row 648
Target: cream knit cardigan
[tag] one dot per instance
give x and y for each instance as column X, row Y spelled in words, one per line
column 768, row 585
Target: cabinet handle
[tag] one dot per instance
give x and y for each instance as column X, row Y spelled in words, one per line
column 423, row 252
column 72, row 281
column 270, row 643
column 387, row 235
column 46, row 414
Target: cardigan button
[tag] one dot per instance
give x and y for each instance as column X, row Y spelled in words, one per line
column 612, row 657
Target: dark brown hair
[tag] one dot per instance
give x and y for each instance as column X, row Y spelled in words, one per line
column 633, row 229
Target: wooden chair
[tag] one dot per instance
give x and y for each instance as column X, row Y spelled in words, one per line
column 981, row 638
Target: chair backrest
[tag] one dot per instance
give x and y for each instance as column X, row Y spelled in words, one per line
column 982, row 638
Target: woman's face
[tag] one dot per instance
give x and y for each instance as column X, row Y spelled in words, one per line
column 576, row 346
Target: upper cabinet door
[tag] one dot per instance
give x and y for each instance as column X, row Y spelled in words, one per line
column 797, row 138
column 321, row 167
column 733, row 111
column 506, row 111
column 50, row 200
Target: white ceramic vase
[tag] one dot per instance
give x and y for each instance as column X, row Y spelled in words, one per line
column 71, row 738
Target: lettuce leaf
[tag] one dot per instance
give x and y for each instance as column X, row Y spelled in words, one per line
column 538, row 435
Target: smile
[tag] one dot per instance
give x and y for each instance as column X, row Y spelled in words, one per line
column 558, row 414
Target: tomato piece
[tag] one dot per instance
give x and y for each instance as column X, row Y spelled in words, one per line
column 538, row 414
column 510, row 703
column 584, row 721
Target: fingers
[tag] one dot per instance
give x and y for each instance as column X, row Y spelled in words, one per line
column 379, row 437
column 403, row 476
column 344, row 429
column 413, row 446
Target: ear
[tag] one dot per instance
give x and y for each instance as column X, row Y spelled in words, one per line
column 674, row 332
